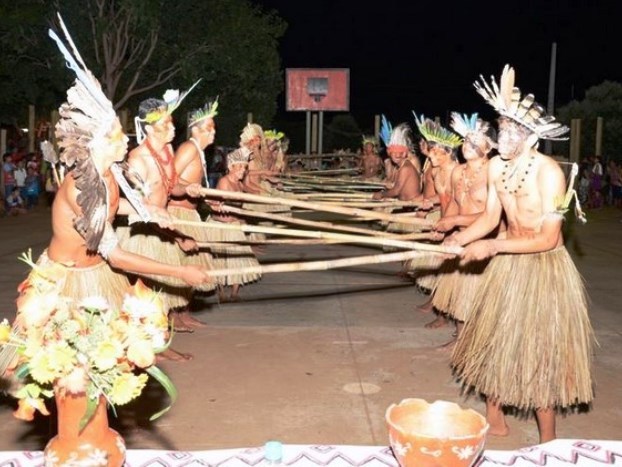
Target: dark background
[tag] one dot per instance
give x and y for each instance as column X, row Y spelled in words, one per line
column 405, row 55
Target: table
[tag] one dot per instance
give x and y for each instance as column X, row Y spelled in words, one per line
column 561, row 452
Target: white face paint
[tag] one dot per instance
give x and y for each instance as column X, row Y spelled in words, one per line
column 511, row 140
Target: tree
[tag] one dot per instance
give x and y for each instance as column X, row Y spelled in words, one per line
column 343, row 133
column 603, row 100
column 138, row 48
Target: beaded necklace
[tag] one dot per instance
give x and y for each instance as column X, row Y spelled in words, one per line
column 506, row 177
column 168, row 183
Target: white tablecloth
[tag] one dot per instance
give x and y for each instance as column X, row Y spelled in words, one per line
column 563, row 452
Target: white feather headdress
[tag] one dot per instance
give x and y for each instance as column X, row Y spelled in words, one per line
column 506, row 100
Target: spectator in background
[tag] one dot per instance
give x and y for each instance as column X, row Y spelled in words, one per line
column 15, row 203
column 50, row 188
column 32, row 188
column 615, row 183
column 216, row 168
column 20, row 177
column 8, row 178
column 596, row 197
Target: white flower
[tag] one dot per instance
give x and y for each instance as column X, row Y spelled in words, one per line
column 138, row 308
column 400, row 448
column 96, row 302
column 171, row 95
column 463, row 453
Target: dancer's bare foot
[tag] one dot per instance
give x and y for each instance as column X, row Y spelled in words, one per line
column 501, row 430
column 439, row 322
column 174, row 356
column 186, row 318
column 178, row 325
column 448, row 346
column 426, row 307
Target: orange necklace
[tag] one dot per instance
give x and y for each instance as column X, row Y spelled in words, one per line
column 168, row 183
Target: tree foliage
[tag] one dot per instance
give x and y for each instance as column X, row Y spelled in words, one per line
column 603, row 100
column 139, row 48
column 343, row 133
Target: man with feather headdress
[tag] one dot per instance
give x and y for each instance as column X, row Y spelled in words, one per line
column 84, row 248
column 528, row 341
column 152, row 165
column 191, row 169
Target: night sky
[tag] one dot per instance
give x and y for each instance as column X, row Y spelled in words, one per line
column 405, row 55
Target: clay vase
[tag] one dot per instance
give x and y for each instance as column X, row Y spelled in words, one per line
column 96, row 445
column 440, row 434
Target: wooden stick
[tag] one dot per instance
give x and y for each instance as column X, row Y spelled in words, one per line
column 303, row 241
column 325, row 264
column 357, row 213
column 338, row 180
column 316, row 234
column 326, row 172
column 305, row 222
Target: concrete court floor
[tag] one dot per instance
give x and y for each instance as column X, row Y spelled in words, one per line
column 317, row 357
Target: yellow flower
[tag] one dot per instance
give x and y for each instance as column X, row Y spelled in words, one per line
column 107, row 354
column 140, row 352
column 5, row 332
column 126, row 387
column 40, row 368
column 26, row 408
column 61, row 357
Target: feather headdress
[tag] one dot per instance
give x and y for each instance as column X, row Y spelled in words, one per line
column 506, row 100
column 172, row 99
column 370, row 140
column 86, row 119
column 395, row 139
column 209, row 110
column 250, row 131
column 435, row 133
column 385, row 131
column 239, row 156
column 471, row 127
column 273, row 135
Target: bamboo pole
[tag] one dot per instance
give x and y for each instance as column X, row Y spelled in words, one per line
column 326, row 172
column 349, row 238
column 360, row 213
column 323, row 265
column 304, row 241
column 305, row 222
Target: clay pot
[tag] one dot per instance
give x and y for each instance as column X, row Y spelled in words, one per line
column 96, row 445
column 440, row 434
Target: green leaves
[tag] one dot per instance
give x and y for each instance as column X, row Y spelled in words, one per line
column 167, row 384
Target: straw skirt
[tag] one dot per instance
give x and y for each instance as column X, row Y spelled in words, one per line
column 457, row 286
column 528, row 342
column 143, row 240
column 203, row 257
column 230, row 256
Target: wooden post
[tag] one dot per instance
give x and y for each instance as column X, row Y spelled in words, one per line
column 308, row 134
column 314, row 133
column 249, row 117
column 123, row 118
column 575, row 140
column 31, row 128
column 599, row 137
column 320, row 142
column 377, row 127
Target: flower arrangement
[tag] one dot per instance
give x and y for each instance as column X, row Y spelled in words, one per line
column 83, row 348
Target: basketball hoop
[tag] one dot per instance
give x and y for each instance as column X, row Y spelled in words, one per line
column 317, row 88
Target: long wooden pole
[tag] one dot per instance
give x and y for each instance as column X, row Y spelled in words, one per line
column 305, row 222
column 349, row 238
column 326, row 264
column 360, row 213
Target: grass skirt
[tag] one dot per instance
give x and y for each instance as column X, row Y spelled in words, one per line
column 457, row 286
column 528, row 342
column 98, row 280
column 203, row 258
column 228, row 256
column 425, row 269
column 143, row 240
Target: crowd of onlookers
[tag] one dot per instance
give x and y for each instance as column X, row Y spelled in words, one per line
column 600, row 185
column 24, row 178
